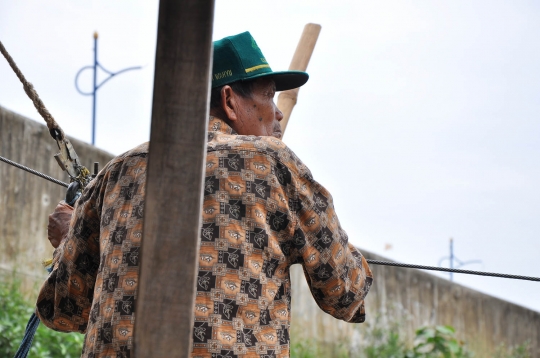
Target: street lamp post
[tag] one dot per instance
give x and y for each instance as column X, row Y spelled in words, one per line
column 95, row 85
column 453, row 259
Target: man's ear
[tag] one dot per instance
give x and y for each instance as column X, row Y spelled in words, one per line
column 229, row 103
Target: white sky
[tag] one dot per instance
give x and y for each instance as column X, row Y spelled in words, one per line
column 421, row 117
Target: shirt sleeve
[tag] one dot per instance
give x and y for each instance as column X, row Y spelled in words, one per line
column 65, row 298
column 337, row 273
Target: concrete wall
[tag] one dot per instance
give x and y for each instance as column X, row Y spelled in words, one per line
column 25, row 199
column 409, row 297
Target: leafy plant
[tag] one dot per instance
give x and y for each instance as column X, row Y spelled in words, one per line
column 435, row 342
column 14, row 314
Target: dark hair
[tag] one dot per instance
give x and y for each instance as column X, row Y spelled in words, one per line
column 243, row 88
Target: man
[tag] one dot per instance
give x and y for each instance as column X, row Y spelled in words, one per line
column 262, row 213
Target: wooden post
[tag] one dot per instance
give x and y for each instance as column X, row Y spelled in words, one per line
column 170, row 248
column 287, row 99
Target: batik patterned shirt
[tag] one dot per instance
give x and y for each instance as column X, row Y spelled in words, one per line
column 262, row 213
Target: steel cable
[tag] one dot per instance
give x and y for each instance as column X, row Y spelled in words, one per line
column 468, row 272
column 44, row 176
column 373, row 262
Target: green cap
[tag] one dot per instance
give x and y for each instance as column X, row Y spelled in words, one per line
column 238, row 58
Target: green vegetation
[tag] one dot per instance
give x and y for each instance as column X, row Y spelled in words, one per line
column 429, row 342
column 520, row 351
column 380, row 342
column 305, row 349
column 435, row 342
column 14, row 314
column 377, row 342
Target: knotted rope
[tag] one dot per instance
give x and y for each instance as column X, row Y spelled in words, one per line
column 54, row 129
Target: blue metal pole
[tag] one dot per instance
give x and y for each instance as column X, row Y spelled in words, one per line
column 94, row 91
column 451, row 258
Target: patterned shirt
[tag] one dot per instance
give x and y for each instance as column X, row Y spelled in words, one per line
column 262, row 213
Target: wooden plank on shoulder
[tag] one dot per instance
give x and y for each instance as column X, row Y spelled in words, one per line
column 302, row 55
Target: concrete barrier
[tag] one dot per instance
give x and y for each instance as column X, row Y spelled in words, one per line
column 26, row 200
column 409, row 298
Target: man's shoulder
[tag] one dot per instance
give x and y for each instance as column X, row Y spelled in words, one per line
column 271, row 147
column 138, row 151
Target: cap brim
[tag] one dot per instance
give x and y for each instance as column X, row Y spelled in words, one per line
column 286, row 80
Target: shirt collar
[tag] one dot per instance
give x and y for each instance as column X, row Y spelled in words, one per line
column 216, row 124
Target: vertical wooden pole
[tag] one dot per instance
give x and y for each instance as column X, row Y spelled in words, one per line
column 170, row 247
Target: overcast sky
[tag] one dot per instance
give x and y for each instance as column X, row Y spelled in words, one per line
column 420, row 117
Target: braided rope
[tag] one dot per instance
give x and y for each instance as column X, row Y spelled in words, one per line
column 54, row 129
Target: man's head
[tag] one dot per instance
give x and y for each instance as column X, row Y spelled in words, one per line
column 244, row 86
column 248, row 107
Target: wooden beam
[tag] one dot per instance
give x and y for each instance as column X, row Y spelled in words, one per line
column 302, row 55
column 173, row 200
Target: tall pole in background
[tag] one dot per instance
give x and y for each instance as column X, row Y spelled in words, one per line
column 96, row 86
column 452, row 258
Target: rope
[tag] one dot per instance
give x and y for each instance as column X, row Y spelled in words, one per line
column 44, row 176
column 468, row 272
column 54, row 129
